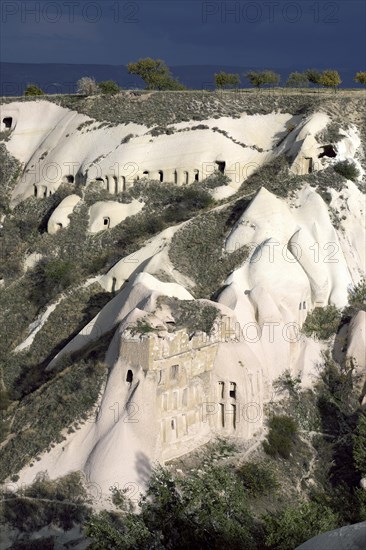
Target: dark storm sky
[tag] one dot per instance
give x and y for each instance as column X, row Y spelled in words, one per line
column 266, row 33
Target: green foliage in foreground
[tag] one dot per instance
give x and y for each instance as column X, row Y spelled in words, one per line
column 322, row 322
column 207, row 509
column 293, row 526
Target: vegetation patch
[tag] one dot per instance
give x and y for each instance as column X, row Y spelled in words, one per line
column 65, row 400
column 322, row 322
column 10, row 169
column 191, row 314
column 197, row 251
column 62, row 502
column 281, row 436
column 347, row 169
column 256, row 478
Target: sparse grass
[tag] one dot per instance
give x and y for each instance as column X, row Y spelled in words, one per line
column 256, row 478
column 330, row 134
column 357, row 296
column 10, row 169
column 197, row 252
column 191, row 315
column 163, row 108
column 62, row 502
column 40, row 417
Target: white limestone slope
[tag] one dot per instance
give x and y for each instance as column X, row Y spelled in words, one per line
column 290, row 270
column 297, row 261
column 56, row 144
column 59, row 218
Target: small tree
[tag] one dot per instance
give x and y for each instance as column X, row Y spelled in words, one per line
column 347, row 169
column 330, row 79
column 32, row 89
column 155, row 73
column 108, row 87
column 297, row 80
column 313, row 76
column 361, row 77
column 225, row 80
column 323, row 322
column 87, row 86
column 261, row 78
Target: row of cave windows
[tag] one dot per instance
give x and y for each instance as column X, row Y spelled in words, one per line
column 175, row 404
column 119, row 184
column 107, row 179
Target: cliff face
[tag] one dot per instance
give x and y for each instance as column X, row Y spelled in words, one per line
column 178, row 377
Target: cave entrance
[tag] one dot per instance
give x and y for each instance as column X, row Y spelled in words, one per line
column 8, row 121
column 68, row 179
column 161, row 176
column 328, row 151
column 106, row 222
column 221, row 164
column 129, row 376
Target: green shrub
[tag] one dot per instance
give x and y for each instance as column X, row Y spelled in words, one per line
column 347, row 169
column 108, row 87
column 69, row 487
column 257, row 479
column 289, row 528
column 281, row 436
column 357, row 296
column 32, row 90
column 322, row 322
column 206, row 509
